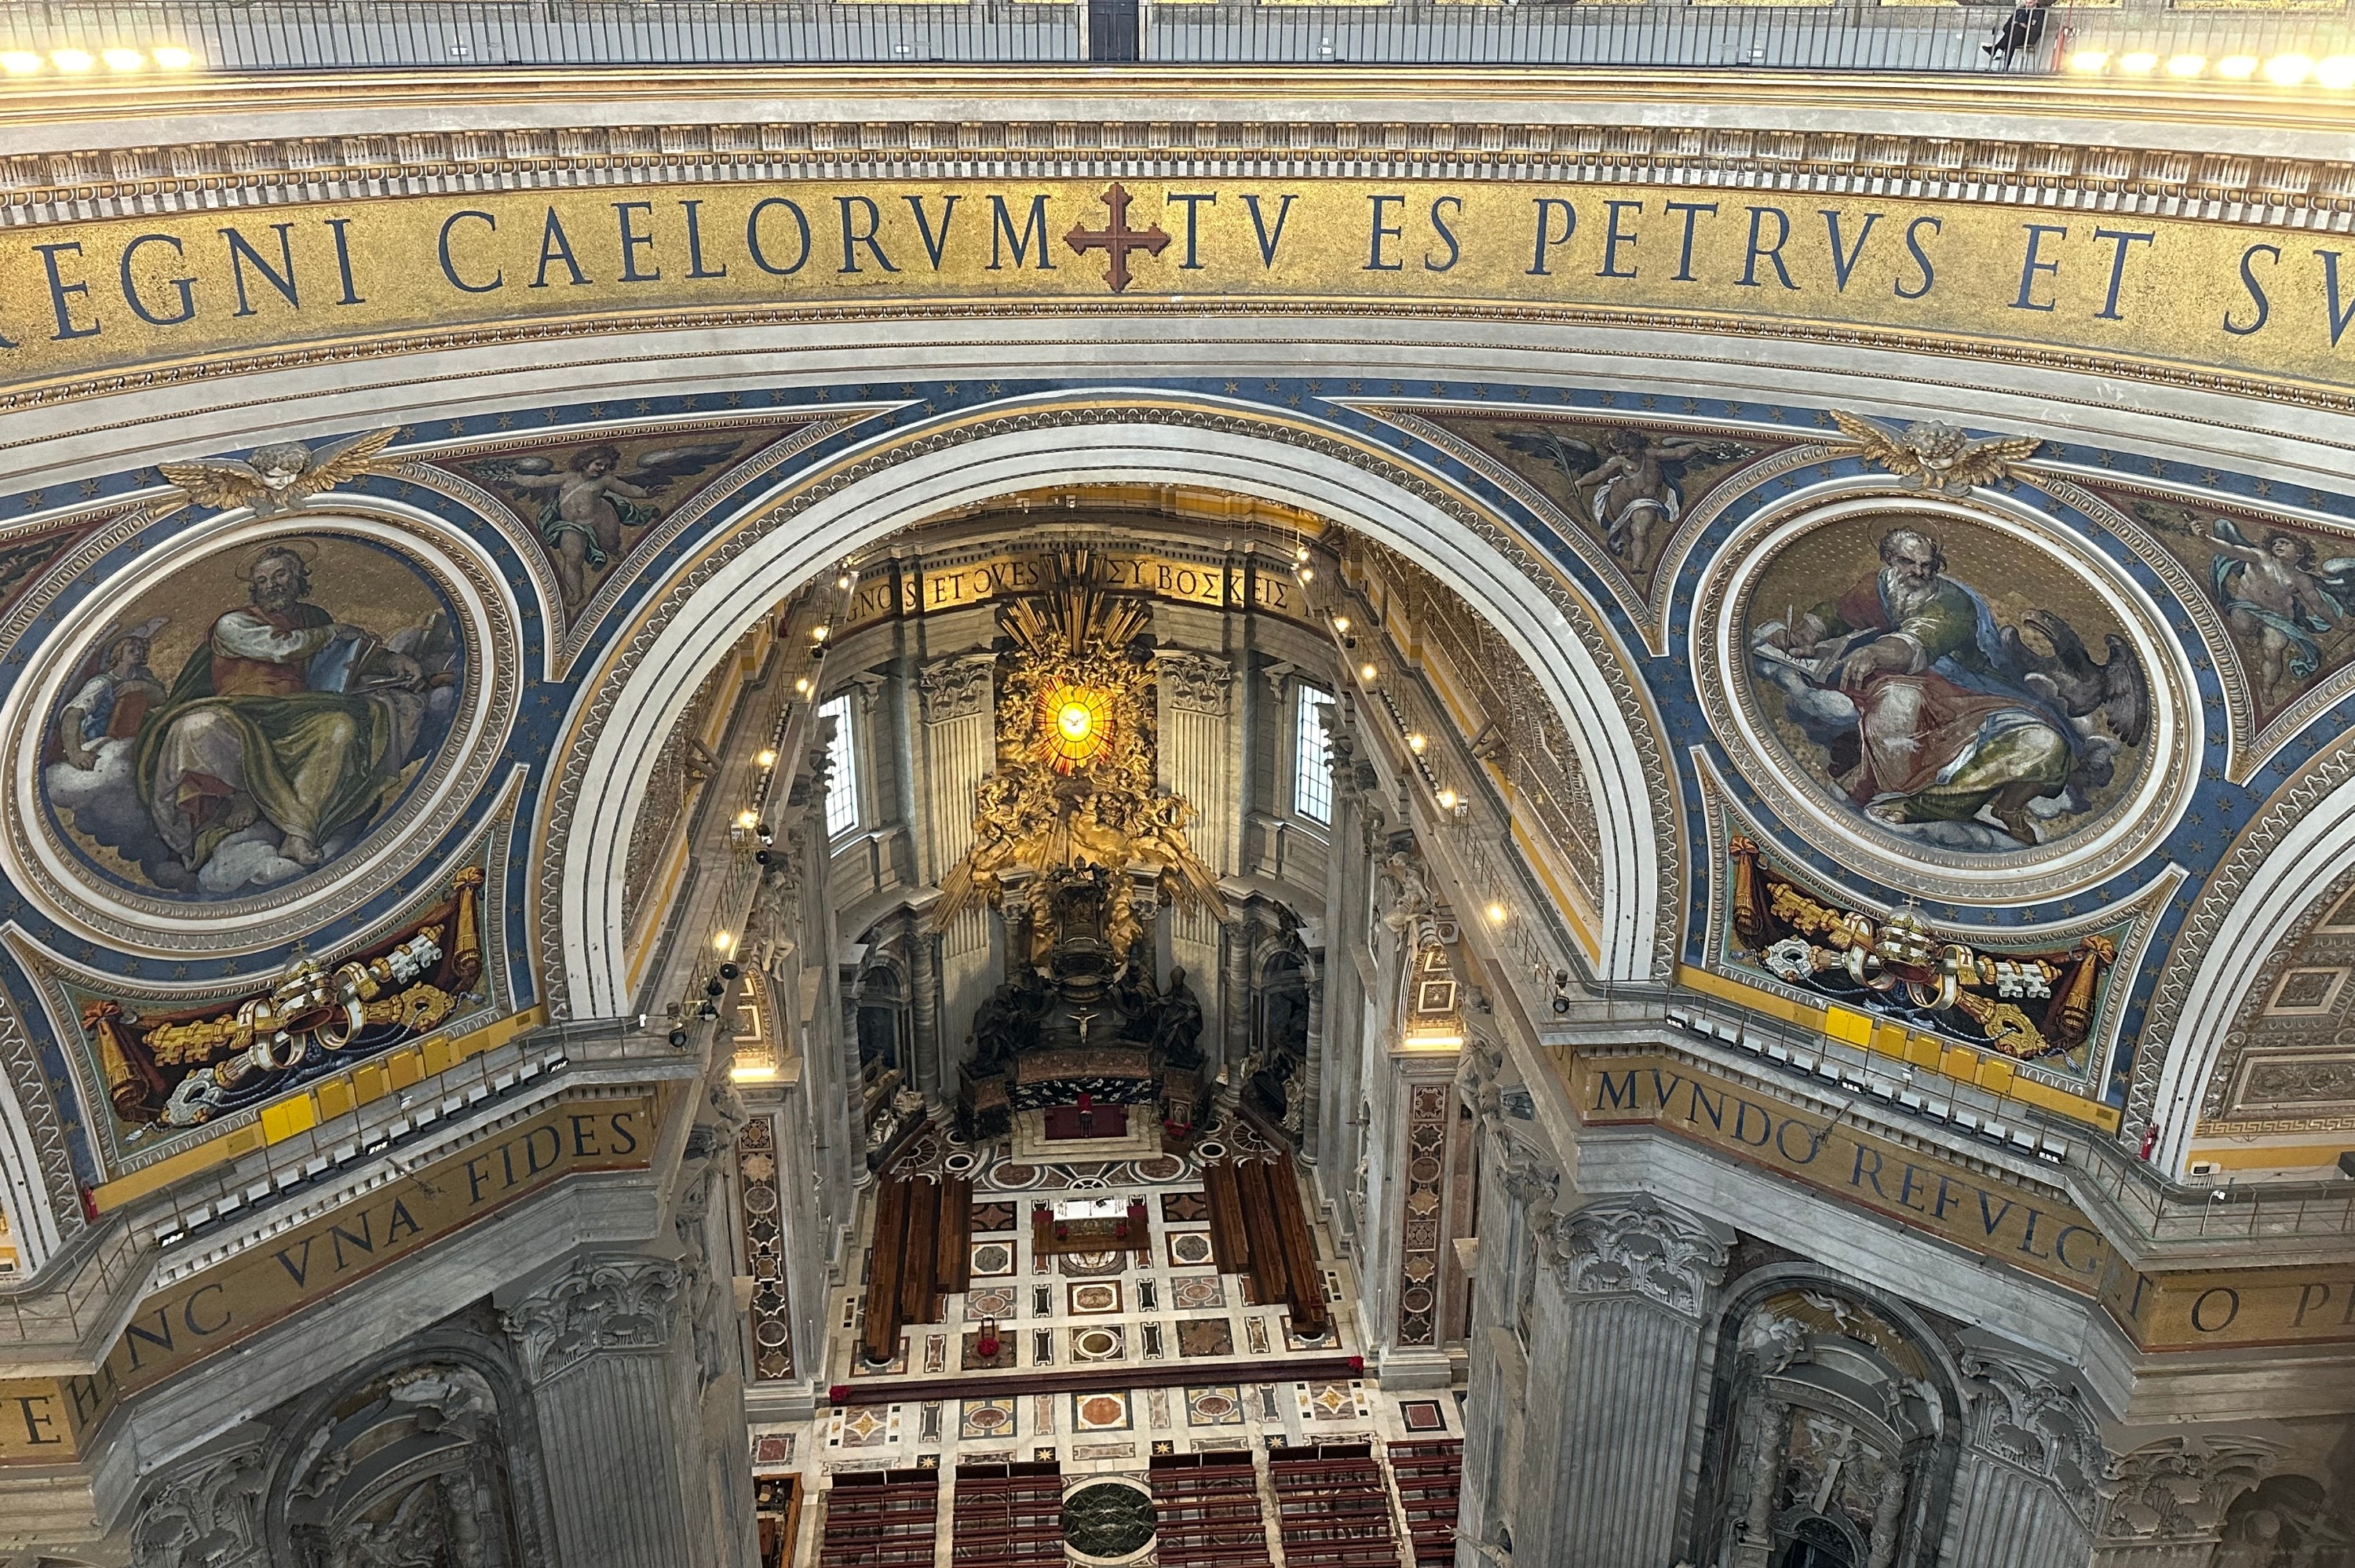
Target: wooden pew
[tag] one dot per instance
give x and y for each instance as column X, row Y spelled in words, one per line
column 878, row 1339
column 1309, row 1317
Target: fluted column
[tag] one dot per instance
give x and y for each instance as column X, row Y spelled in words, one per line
column 1635, row 1280
column 1311, row 1088
column 615, row 1393
column 1236, row 991
column 2020, row 1506
column 924, row 982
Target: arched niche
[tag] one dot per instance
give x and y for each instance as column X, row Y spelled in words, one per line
column 1835, row 1422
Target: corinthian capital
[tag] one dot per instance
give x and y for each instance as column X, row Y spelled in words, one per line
column 1197, row 681
column 1637, row 1246
column 617, row 1303
column 955, row 687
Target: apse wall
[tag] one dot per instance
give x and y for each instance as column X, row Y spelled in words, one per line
column 1665, row 382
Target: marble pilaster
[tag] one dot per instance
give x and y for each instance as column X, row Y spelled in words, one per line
column 615, row 1390
column 2025, row 1483
column 1635, row 1280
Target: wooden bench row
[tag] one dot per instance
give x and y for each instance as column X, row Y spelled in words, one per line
column 1009, row 1516
column 881, row 1519
column 1207, row 1510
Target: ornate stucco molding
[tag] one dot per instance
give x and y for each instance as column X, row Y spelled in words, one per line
column 602, row 1303
column 2025, row 1413
column 2306, row 194
column 1197, row 682
column 2177, row 1489
column 208, row 1514
column 1621, row 1245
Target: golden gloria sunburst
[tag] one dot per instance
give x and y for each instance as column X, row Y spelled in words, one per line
column 1075, row 725
column 1076, row 783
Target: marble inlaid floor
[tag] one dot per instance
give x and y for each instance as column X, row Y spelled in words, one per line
column 1159, row 1303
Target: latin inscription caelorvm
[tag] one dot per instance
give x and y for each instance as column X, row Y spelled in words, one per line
column 87, row 297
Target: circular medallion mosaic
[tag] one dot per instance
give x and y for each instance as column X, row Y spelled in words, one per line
column 266, row 721
column 1918, row 685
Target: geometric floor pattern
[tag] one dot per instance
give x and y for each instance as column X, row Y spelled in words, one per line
column 1157, row 1302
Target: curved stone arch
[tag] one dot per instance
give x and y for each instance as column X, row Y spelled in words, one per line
column 2290, row 859
column 1110, row 438
column 1738, row 1300
column 37, row 1193
column 465, row 1342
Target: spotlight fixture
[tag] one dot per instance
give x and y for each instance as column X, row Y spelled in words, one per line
column 2186, row 65
column 801, row 686
column 122, row 59
column 2337, row 73
column 723, row 941
column 1305, row 574
column 707, row 1012
column 2287, row 70
column 2089, row 60
column 71, row 60
column 1497, row 913
column 679, row 1039
column 762, row 857
column 767, row 759
column 1447, row 799
column 714, row 986
column 2139, row 63
column 1341, row 624
column 2237, row 67
column 20, row 62
column 818, row 632
column 1560, row 991
column 745, row 820
column 846, row 582
column 1416, row 742
column 171, row 57
column 1367, row 673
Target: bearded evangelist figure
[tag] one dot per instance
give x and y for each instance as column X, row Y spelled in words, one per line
column 1932, row 711
column 283, row 714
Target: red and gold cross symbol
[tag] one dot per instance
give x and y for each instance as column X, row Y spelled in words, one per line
column 1115, row 238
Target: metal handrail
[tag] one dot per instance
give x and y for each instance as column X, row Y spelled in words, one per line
column 249, row 36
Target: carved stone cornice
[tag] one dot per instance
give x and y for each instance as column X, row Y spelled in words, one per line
column 955, row 687
column 621, row 1303
column 254, row 172
column 1623, row 1245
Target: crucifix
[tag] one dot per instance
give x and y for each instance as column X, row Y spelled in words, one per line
column 1081, row 1020
column 1115, row 238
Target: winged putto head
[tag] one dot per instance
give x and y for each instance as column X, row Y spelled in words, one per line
column 1935, row 455
column 280, row 475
